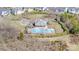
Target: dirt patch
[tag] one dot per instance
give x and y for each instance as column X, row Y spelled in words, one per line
column 74, row 39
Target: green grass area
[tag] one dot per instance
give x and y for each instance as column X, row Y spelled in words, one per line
column 35, row 16
column 38, row 12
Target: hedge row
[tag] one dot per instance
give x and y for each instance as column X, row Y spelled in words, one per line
column 39, row 12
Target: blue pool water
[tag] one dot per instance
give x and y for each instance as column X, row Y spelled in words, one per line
column 42, row 30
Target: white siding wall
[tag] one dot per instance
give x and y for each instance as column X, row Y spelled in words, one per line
column 20, row 12
column 4, row 13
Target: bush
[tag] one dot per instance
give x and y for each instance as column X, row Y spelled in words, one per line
column 21, row 36
column 75, row 24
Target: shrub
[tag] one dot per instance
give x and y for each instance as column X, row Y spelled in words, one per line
column 21, row 36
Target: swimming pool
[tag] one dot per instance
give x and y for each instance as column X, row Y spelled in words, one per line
column 42, row 30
